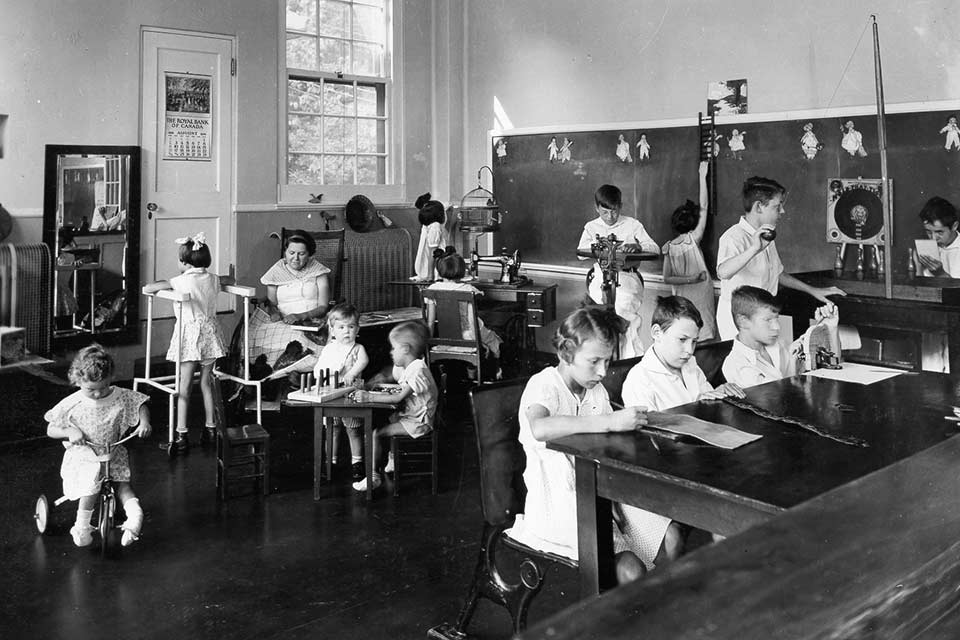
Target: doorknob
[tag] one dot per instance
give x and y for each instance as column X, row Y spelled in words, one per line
column 151, row 209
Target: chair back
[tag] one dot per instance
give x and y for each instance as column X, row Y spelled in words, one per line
column 495, row 410
column 616, row 374
column 710, row 357
column 455, row 318
column 329, row 254
column 375, row 259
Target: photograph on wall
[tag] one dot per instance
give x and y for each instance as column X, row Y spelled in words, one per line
column 188, row 122
column 728, row 97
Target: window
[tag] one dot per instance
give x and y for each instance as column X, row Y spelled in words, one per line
column 337, row 92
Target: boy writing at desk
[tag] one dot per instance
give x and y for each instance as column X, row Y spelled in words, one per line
column 748, row 255
column 939, row 219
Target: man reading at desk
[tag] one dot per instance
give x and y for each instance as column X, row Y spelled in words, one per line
column 939, row 219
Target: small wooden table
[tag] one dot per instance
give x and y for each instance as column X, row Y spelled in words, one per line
column 726, row 491
column 343, row 408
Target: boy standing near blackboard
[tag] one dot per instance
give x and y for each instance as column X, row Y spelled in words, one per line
column 629, row 297
column 748, row 256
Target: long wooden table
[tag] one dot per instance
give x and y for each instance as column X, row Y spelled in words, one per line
column 727, row 492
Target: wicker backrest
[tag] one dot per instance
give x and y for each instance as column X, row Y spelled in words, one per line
column 30, row 292
column 372, row 260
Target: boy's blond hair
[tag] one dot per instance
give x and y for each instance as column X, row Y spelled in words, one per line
column 91, row 364
column 413, row 335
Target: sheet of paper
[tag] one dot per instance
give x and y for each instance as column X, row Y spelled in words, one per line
column 858, row 373
column 928, row 248
column 718, row 435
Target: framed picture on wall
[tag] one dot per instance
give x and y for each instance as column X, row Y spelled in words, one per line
column 727, row 97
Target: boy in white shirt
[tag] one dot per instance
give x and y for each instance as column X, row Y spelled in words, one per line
column 748, row 256
column 940, row 221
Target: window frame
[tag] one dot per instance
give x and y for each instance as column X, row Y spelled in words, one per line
column 394, row 190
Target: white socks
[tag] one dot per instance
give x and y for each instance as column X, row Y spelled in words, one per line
column 131, row 527
column 82, row 530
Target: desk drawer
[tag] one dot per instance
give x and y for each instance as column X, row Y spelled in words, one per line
column 535, row 301
column 535, row 317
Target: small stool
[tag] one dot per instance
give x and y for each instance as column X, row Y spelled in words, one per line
column 242, row 446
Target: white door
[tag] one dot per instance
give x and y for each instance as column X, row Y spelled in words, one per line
column 187, row 134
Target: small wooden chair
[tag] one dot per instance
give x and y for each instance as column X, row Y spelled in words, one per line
column 455, row 316
column 245, row 446
column 502, row 461
column 402, row 447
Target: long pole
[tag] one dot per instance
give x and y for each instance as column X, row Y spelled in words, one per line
column 885, row 199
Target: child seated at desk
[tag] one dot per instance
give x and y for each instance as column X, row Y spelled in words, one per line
column 417, row 396
column 757, row 355
column 564, row 400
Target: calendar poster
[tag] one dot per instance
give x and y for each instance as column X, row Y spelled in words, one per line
column 188, row 127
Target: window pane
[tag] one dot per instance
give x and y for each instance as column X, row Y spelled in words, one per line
column 367, row 59
column 368, row 101
column 334, row 55
column 338, row 170
column 368, row 24
column 302, row 15
column 338, row 99
column 339, row 135
column 367, row 138
column 371, row 170
column 303, row 133
column 304, row 95
column 302, row 52
column 304, row 169
column 334, row 19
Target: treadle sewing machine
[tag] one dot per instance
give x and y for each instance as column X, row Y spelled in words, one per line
column 606, row 251
column 509, row 265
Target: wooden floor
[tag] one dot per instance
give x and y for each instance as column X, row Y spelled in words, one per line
column 277, row 567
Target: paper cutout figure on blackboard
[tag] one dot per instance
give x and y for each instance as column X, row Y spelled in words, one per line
column 953, row 134
column 552, row 148
column 737, row 147
column 852, row 140
column 809, row 142
column 716, row 144
column 644, row 146
column 502, row 149
column 623, row 150
column 565, row 150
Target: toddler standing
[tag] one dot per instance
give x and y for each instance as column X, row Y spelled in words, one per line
column 96, row 415
column 197, row 334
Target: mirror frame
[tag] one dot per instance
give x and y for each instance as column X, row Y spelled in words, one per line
column 130, row 334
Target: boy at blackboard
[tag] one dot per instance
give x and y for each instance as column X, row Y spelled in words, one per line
column 608, row 201
column 748, row 255
column 940, row 221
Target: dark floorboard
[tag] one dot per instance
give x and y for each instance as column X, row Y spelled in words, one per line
column 277, row 567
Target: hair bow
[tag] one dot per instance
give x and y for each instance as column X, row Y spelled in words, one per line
column 198, row 240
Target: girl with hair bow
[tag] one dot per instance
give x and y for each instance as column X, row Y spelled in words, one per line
column 197, row 333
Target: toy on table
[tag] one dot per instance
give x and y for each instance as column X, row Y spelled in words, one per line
column 325, row 387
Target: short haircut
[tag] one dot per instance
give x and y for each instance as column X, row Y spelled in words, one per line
column 343, row 311
column 671, row 308
column 747, row 300
column 430, row 210
column 762, row 190
column 450, row 265
column 685, row 217
column 413, row 335
column 91, row 364
column 587, row 323
column 608, row 197
column 939, row 210
column 195, row 256
column 302, row 237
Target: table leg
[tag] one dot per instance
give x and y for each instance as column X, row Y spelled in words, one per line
column 318, row 445
column 368, row 449
column 594, row 533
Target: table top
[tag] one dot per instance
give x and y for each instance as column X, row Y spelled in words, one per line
column 628, row 258
column 528, row 286
column 897, row 417
column 347, row 403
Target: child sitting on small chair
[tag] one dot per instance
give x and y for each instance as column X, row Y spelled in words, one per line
column 451, row 268
column 344, row 355
column 197, row 333
column 757, row 355
column 417, row 396
column 97, row 415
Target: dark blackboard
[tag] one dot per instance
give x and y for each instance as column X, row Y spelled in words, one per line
column 546, row 204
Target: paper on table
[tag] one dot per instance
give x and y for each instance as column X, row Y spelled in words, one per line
column 325, row 394
column 858, row 373
column 718, row 435
column 928, row 248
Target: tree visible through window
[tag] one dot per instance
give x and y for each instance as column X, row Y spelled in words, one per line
column 337, row 84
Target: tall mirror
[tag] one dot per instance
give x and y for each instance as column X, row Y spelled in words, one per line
column 91, row 213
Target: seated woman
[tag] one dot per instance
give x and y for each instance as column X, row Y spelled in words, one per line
column 298, row 292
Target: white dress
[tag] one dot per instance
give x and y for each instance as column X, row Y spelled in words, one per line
column 433, row 236
column 297, row 291
column 197, row 322
column 686, row 259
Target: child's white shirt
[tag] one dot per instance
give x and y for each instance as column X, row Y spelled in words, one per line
column 763, row 271
column 203, row 287
column 334, row 355
column 629, row 230
column 950, row 258
column 650, row 384
column 745, row 367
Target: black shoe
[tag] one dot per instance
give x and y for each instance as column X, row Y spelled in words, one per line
column 358, row 472
column 181, row 444
column 208, row 436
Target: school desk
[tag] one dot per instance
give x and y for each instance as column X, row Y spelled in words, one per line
column 343, row 408
column 729, row 491
column 875, row 558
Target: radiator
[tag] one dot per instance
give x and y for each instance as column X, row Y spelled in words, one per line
column 26, row 292
column 372, row 260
